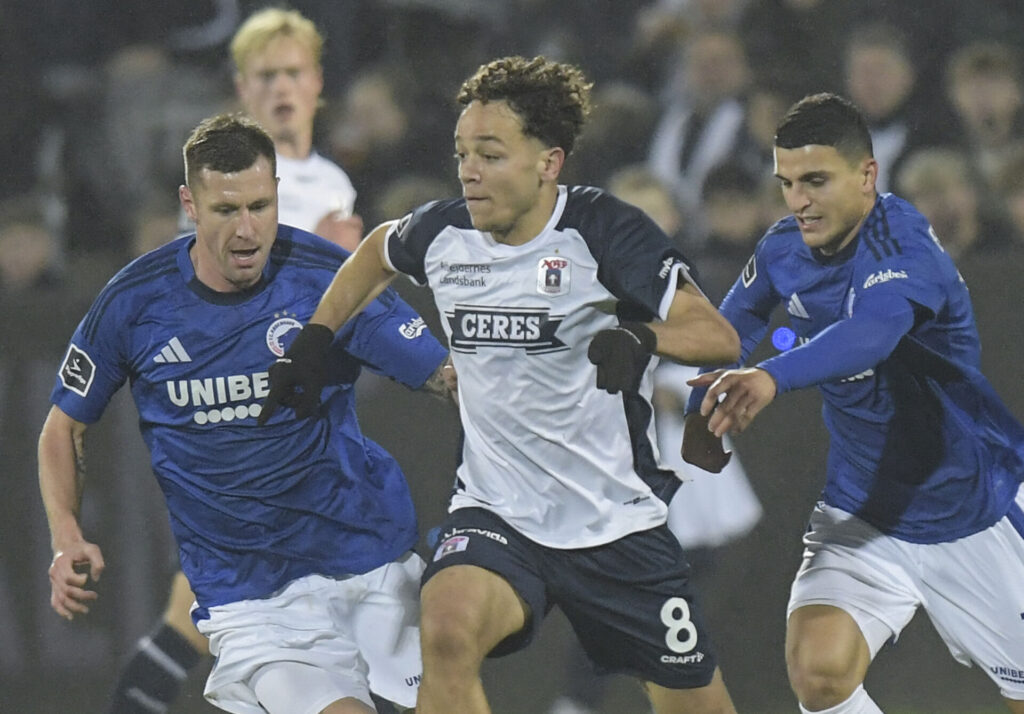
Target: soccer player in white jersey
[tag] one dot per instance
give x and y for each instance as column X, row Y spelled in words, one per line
column 296, row 538
column 922, row 505
column 278, row 79
column 555, row 299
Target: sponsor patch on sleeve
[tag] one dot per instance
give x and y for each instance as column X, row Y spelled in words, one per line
column 77, row 371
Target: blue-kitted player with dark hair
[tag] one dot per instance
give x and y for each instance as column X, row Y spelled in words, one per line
column 297, row 537
column 922, row 501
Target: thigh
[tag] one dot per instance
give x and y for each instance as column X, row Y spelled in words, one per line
column 974, row 595
column 381, row 610
column 630, row 604
column 500, row 583
column 294, row 626
column 848, row 564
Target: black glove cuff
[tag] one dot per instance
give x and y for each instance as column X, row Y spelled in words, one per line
column 314, row 338
column 648, row 340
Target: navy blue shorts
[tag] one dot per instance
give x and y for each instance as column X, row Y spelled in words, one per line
column 629, row 601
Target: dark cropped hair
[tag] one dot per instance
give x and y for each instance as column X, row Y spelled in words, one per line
column 226, row 143
column 552, row 99
column 827, row 120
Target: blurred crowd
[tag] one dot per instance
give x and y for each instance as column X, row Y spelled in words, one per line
column 687, row 95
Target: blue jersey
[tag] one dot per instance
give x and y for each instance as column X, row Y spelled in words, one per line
column 251, row 508
column 921, row 447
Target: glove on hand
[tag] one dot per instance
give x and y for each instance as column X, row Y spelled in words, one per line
column 621, row 355
column 297, row 379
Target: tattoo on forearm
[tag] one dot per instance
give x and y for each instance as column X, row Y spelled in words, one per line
column 435, row 385
column 78, row 445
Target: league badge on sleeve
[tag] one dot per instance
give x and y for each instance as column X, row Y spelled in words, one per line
column 553, row 274
column 77, row 371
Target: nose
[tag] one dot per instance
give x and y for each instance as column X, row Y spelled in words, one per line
column 468, row 170
column 245, row 227
column 796, row 198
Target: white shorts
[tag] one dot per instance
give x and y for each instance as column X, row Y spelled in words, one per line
column 971, row 588
column 318, row 640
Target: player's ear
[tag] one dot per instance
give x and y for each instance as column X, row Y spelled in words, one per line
column 550, row 163
column 187, row 202
column 869, row 172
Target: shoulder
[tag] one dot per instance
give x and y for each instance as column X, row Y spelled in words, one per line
column 595, row 208
column 896, row 227
column 327, row 167
column 435, row 216
column 304, row 250
column 782, row 238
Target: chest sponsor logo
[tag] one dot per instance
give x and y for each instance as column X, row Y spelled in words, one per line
column 532, row 329
column 884, row 276
column 281, row 333
column 554, row 275
column 77, row 371
column 465, row 275
column 220, row 399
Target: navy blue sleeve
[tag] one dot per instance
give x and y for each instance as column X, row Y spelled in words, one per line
column 845, row 348
column 408, row 239
column 636, row 261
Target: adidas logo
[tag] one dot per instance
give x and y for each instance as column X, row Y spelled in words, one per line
column 172, row 352
column 796, row 308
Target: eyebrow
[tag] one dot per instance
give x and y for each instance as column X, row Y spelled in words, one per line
column 806, row 176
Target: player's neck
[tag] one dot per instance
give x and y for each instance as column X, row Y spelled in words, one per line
column 530, row 224
column 294, row 147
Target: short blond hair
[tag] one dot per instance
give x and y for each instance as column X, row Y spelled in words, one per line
column 263, row 26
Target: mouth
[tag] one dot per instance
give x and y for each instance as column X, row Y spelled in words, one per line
column 808, row 223
column 245, row 256
column 284, row 112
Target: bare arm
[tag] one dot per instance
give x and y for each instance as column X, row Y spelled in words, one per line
column 695, row 332
column 359, row 281
column 443, row 383
column 61, row 478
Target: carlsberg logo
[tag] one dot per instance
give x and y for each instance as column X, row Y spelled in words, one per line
column 884, row 276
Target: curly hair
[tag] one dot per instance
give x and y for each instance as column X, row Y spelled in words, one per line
column 551, row 98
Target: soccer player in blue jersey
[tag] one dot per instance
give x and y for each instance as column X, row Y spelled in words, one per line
column 922, row 499
column 296, row 538
column 555, row 299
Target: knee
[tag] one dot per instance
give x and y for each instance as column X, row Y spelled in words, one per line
column 449, row 637
column 819, row 679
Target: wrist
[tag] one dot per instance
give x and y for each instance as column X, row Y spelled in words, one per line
column 644, row 335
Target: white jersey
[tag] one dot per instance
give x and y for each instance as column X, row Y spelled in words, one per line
column 566, row 464
column 311, row 188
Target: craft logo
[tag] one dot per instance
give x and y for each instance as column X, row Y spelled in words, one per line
column 532, row 329
column 553, row 275
column 77, row 371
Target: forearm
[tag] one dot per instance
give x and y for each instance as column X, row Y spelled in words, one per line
column 61, row 476
column 844, row 349
column 359, row 281
column 695, row 332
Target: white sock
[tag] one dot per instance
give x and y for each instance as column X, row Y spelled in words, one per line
column 857, row 703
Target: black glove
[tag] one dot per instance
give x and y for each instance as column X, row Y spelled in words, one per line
column 621, row 355
column 297, row 379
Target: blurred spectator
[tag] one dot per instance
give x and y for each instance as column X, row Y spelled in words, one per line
column 30, row 252
column 701, row 125
column 621, row 119
column 637, row 185
column 767, row 102
column 1011, row 192
column 880, row 77
column 155, row 223
column 943, row 185
column 735, row 224
column 985, row 90
column 405, row 193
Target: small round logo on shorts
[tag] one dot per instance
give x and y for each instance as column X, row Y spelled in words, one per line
column 281, row 333
column 451, row 545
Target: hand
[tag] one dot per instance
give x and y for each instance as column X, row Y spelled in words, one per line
column 340, row 229
column 297, row 378
column 746, row 392
column 70, row 571
column 702, row 448
column 621, row 355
